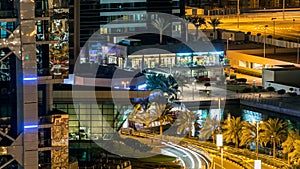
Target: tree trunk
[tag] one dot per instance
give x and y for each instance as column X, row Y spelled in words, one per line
column 214, row 33
column 160, row 37
column 197, row 32
column 160, row 128
column 274, row 149
column 236, row 142
column 186, row 32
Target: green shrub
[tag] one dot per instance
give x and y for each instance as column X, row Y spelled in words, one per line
column 232, row 76
column 281, row 91
column 247, row 90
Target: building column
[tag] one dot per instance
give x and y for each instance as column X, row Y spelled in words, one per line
column 28, row 83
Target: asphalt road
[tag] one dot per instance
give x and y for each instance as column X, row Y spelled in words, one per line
column 288, row 28
column 191, row 159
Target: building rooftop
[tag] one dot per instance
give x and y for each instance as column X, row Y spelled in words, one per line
column 199, row 46
column 283, row 68
column 282, row 54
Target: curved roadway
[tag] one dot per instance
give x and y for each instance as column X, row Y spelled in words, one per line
column 189, row 158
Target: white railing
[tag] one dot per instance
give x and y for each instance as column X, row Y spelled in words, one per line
column 275, row 42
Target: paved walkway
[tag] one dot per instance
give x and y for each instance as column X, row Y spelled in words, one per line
column 196, row 92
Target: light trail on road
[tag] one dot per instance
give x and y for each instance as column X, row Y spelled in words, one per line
column 194, row 157
column 192, row 160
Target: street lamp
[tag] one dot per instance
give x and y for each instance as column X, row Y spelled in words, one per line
column 238, row 13
column 124, row 83
column 293, row 23
column 219, row 138
column 227, row 45
column 265, row 41
column 257, row 136
column 219, row 110
column 273, row 19
column 283, row 8
column 297, row 50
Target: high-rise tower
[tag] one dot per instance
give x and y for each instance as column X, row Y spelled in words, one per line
column 33, row 56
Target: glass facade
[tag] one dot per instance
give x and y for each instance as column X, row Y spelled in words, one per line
column 7, row 25
column 92, row 121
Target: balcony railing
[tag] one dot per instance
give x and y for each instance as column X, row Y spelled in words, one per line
column 41, row 13
column 8, row 13
column 60, row 4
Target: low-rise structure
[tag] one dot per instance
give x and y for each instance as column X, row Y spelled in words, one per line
column 282, row 78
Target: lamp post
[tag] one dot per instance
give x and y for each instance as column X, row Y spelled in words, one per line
column 265, row 41
column 222, row 161
column 227, row 45
column 297, row 50
column 124, row 83
column 273, row 19
column 293, row 22
column 257, row 136
column 219, row 110
column 283, row 9
column 238, row 13
column 219, row 138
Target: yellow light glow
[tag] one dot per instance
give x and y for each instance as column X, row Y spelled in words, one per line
column 3, row 150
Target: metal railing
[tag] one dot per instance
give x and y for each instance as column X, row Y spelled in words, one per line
column 274, row 42
column 274, row 99
column 8, row 13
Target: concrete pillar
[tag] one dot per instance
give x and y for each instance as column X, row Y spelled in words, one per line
column 28, row 101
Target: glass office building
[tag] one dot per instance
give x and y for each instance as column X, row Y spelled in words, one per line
column 33, row 56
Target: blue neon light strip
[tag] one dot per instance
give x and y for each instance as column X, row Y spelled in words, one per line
column 184, row 54
column 142, row 87
column 29, row 78
column 30, row 126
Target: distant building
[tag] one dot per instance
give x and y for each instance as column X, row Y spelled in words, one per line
column 252, row 62
column 244, row 4
column 282, row 78
column 88, row 17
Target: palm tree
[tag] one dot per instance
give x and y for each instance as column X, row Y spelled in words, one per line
column 186, row 120
column 180, row 80
column 289, row 145
column 210, row 128
column 162, row 112
column 165, row 84
column 214, row 22
column 232, row 130
column 248, row 134
column 161, row 25
column 139, row 115
column 274, row 131
column 197, row 21
column 295, row 155
column 162, row 120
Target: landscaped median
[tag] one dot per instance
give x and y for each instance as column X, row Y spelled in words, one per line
column 235, row 157
column 242, row 157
